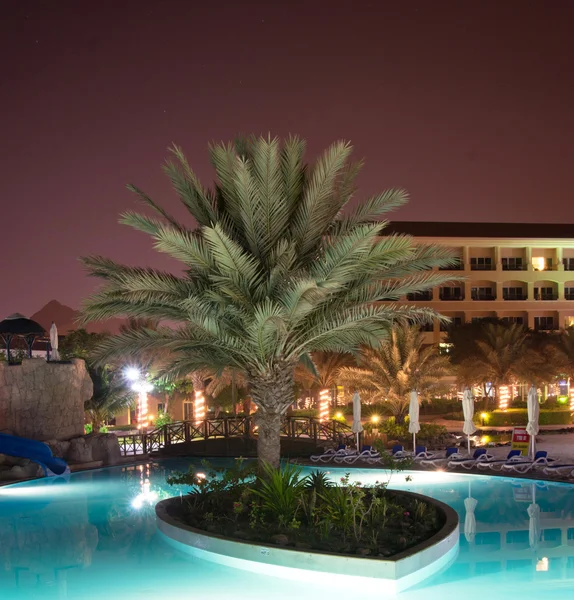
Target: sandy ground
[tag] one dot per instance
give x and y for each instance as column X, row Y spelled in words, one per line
column 558, row 446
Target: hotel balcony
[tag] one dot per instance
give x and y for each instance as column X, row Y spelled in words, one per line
column 523, row 296
column 545, row 296
column 481, row 267
column 483, row 296
column 448, row 295
column 420, row 296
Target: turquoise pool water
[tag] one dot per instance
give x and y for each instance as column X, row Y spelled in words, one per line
column 95, row 538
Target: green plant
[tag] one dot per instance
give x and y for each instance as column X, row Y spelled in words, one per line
column 110, row 396
column 162, row 419
column 88, row 428
column 277, row 265
column 519, row 416
column 280, row 492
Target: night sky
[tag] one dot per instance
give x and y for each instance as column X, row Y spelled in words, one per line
column 467, row 104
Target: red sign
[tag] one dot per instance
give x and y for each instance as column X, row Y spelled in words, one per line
column 520, row 439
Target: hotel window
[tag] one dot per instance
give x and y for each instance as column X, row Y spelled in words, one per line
column 516, row 320
column 481, row 263
column 418, row 296
column 454, row 322
column 482, row 293
column 544, row 293
column 540, row 263
column 512, row 264
column 513, row 293
column 568, row 264
column 451, row 293
column 569, row 293
column 187, row 411
column 543, row 323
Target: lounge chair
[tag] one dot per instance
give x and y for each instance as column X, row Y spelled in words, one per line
column 368, row 454
column 437, row 460
column 523, row 466
column 564, row 470
column 496, row 463
column 332, row 453
column 468, row 462
column 421, row 452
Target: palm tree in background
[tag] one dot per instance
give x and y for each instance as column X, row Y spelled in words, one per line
column 111, row 396
column 323, row 376
column 277, row 265
column 504, row 354
column 401, row 364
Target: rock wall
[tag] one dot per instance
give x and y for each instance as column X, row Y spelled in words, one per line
column 42, row 400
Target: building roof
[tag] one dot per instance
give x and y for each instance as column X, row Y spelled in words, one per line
column 482, row 230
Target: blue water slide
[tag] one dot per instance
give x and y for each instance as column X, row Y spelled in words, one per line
column 35, row 451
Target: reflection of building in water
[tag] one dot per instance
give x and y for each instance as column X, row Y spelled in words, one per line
column 508, row 546
column 41, row 548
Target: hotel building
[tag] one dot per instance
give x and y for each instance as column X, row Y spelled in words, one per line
column 523, row 273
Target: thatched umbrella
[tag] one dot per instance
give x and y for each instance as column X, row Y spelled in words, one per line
column 18, row 325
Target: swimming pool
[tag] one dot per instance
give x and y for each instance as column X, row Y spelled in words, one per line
column 95, row 538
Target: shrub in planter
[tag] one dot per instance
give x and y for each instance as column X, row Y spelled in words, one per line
column 285, row 508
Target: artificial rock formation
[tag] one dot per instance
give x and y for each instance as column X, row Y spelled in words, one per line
column 42, row 400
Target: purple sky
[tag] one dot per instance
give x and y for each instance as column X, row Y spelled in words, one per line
column 467, row 104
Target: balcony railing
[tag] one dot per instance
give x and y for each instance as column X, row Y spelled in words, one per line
column 417, row 297
column 545, row 327
column 451, row 297
column 483, row 296
column 513, row 267
column 475, row 267
column 457, row 267
column 569, row 296
column 544, row 296
column 515, row 296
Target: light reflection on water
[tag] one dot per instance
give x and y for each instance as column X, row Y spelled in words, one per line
column 95, row 537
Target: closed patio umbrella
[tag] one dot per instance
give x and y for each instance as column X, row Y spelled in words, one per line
column 357, row 426
column 468, row 411
column 414, row 425
column 533, row 415
column 54, row 342
column 469, row 518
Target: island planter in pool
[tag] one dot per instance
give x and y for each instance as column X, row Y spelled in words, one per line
column 388, row 575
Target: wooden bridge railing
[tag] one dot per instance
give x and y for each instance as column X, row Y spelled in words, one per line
column 230, row 427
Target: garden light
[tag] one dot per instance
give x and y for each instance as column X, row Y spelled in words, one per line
column 132, row 374
column 375, row 419
column 339, row 415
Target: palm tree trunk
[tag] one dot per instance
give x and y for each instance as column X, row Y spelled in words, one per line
column 199, row 408
column 268, row 437
column 272, row 393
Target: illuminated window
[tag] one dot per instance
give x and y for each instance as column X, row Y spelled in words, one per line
column 538, row 263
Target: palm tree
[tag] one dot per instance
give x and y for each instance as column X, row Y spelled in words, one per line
column 503, row 354
column 110, row 396
column 322, row 378
column 276, row 265
column 402, row 363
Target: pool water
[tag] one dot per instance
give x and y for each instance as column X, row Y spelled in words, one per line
column 95, row 537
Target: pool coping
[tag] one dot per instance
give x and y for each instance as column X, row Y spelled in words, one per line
column 398, row 572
